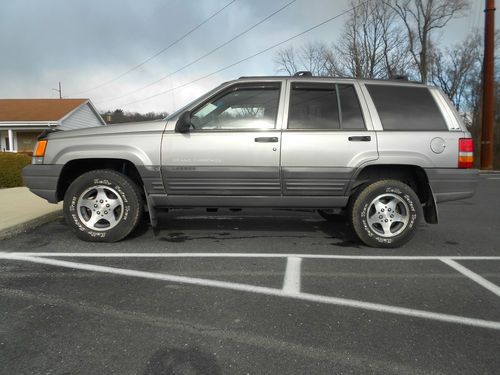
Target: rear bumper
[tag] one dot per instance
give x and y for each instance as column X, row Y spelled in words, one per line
column 42, row 180
column 452, row 184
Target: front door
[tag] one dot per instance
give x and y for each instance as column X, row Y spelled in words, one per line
column 232, row 151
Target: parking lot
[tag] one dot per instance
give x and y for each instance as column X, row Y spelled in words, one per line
column 258, row 292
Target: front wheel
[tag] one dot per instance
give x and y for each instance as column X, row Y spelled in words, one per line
column 385, row 213
column 103, row 206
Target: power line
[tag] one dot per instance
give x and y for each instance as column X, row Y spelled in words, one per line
column 204, row 55
column 474, row 19
column 470, row 19
column 479, row 17
column 246, row 58
column 159, row 52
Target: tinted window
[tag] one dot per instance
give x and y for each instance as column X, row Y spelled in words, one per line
column 406, row 108
column 350, row 109
column 313, row 106
column 244, row 107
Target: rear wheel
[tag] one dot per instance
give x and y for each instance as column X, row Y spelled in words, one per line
column 385, row 213
column 103, row 206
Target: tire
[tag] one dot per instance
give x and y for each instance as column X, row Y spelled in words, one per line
column 385, row 213
column 103, row 206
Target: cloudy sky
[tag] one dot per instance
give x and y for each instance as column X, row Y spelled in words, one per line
column 88, row 44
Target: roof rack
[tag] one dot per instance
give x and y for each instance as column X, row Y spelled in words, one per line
column 400, row 77
column 262, row 77
column 307, row 75
column 303, row 73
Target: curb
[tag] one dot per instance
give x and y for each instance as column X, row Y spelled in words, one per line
column 30, row 224
column 489, row 171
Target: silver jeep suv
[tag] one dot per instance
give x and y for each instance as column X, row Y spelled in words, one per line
column 383, row 152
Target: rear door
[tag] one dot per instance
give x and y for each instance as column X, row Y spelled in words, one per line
column 326, row 135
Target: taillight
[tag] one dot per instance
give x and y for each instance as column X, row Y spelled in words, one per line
column 40, row 148
column 465, row 153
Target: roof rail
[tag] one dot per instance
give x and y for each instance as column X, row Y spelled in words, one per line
column 400, row 77
column 262, row 77
column 303, row 73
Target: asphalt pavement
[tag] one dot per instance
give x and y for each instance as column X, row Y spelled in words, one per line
column 257, row 292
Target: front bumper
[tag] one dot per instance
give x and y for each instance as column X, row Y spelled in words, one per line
column 42, row 180
column 453, row 183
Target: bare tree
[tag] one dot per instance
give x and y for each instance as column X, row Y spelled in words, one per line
column 456, row 72
column 381, row 39
column 285, row 61
column 372, row 44
column 421, row 18
column 312, row 57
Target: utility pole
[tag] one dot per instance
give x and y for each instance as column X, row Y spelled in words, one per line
column 488, row 86
column 59, row 91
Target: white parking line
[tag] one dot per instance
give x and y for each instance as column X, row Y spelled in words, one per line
column 242, row 255
column 291, row 284
column 263, row 290
column 473, row 276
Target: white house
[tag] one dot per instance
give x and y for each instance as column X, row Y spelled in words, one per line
column 22, row 120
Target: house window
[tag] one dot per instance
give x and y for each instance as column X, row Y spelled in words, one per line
column 7, row 144
column 26, row 141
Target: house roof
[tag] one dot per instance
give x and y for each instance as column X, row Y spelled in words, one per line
column 37, row 109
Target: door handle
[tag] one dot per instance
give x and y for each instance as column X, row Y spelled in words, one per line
column 266, row 139
column 361, row 138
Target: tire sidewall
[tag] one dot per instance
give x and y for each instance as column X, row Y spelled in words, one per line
column 362, row 204
column 122, row 185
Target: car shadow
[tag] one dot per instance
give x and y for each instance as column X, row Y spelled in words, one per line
column 180, row 226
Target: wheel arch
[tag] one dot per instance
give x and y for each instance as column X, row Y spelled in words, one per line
column 412, row 175
column 74, row 168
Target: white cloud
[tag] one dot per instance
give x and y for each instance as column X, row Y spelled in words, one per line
column 84, row 43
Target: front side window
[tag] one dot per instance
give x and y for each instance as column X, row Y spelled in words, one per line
column 243, row 107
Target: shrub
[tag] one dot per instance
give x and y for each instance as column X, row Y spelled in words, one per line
column 11, row 165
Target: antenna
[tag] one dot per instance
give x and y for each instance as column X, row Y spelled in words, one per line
column 59, row 90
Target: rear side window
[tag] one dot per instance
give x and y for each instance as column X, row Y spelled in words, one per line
column 313, row 107
column 324, row 106
column 406, row 108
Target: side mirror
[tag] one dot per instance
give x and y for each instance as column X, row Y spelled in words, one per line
column 183, row 124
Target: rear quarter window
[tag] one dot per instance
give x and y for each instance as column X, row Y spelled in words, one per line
column 406, row 108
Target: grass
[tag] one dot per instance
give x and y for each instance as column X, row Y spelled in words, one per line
column 11, row 165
